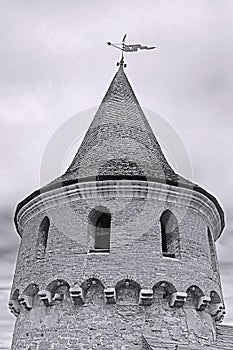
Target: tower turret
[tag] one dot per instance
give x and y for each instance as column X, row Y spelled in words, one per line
column 118, row 252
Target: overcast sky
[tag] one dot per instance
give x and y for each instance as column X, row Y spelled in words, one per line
column 55, row 63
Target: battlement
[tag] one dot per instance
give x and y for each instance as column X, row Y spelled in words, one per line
column 125, row 292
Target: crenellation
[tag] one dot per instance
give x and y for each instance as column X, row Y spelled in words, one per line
column 177, row 299
column 203, row 302
column 14, row 307
column 46, row 297
column 77, row 295
column 216, row 309
column 220, row 316
column 26, row 301
column 110, row 295
column 146, row 296
column 113, row 295
column 58, row 297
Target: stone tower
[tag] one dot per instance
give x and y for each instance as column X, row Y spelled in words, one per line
column 119, row 252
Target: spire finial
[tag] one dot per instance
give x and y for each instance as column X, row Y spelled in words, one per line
column 122, row 62
column 128, row 48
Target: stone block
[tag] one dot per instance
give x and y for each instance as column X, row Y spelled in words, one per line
column 203, row 302
column 110, row 295
column 46, row 297
column 146, row 296
column 177, row 299
column 77, row 295
column 14, row 307
column 26, row 300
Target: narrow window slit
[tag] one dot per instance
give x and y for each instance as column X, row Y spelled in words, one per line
column 170, row 239
column 42, row 238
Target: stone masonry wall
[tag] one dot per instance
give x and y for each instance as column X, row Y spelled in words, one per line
column 96, row 325
column 136, row 256
column 135, row 234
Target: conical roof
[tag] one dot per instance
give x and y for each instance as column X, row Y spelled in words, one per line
column 120, row 142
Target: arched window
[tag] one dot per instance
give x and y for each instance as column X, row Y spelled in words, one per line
column 59, row 288
column 170, row 235
column 100, row 227
column 42, row 237
column 212, row 250
column 102, row 232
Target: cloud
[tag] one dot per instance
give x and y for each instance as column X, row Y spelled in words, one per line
column 6, row 320
column 9, row 243
column 54, row 63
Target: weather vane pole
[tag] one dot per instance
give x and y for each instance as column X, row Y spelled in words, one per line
column 128, row 48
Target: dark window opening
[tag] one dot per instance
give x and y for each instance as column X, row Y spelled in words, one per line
column 212, row 251
column 100, row 231
column 42, row 237
column 169, row 235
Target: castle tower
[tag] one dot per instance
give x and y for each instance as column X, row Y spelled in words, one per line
column 119, row 252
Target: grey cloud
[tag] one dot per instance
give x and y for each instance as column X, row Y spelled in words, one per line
column 54, row 63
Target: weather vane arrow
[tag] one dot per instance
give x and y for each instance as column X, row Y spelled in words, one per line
column 129, row 48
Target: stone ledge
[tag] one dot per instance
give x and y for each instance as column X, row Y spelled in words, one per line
column 122, row 189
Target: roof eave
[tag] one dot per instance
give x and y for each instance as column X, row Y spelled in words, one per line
column 141, row 178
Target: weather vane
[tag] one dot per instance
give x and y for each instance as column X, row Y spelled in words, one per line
column 129, row 48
